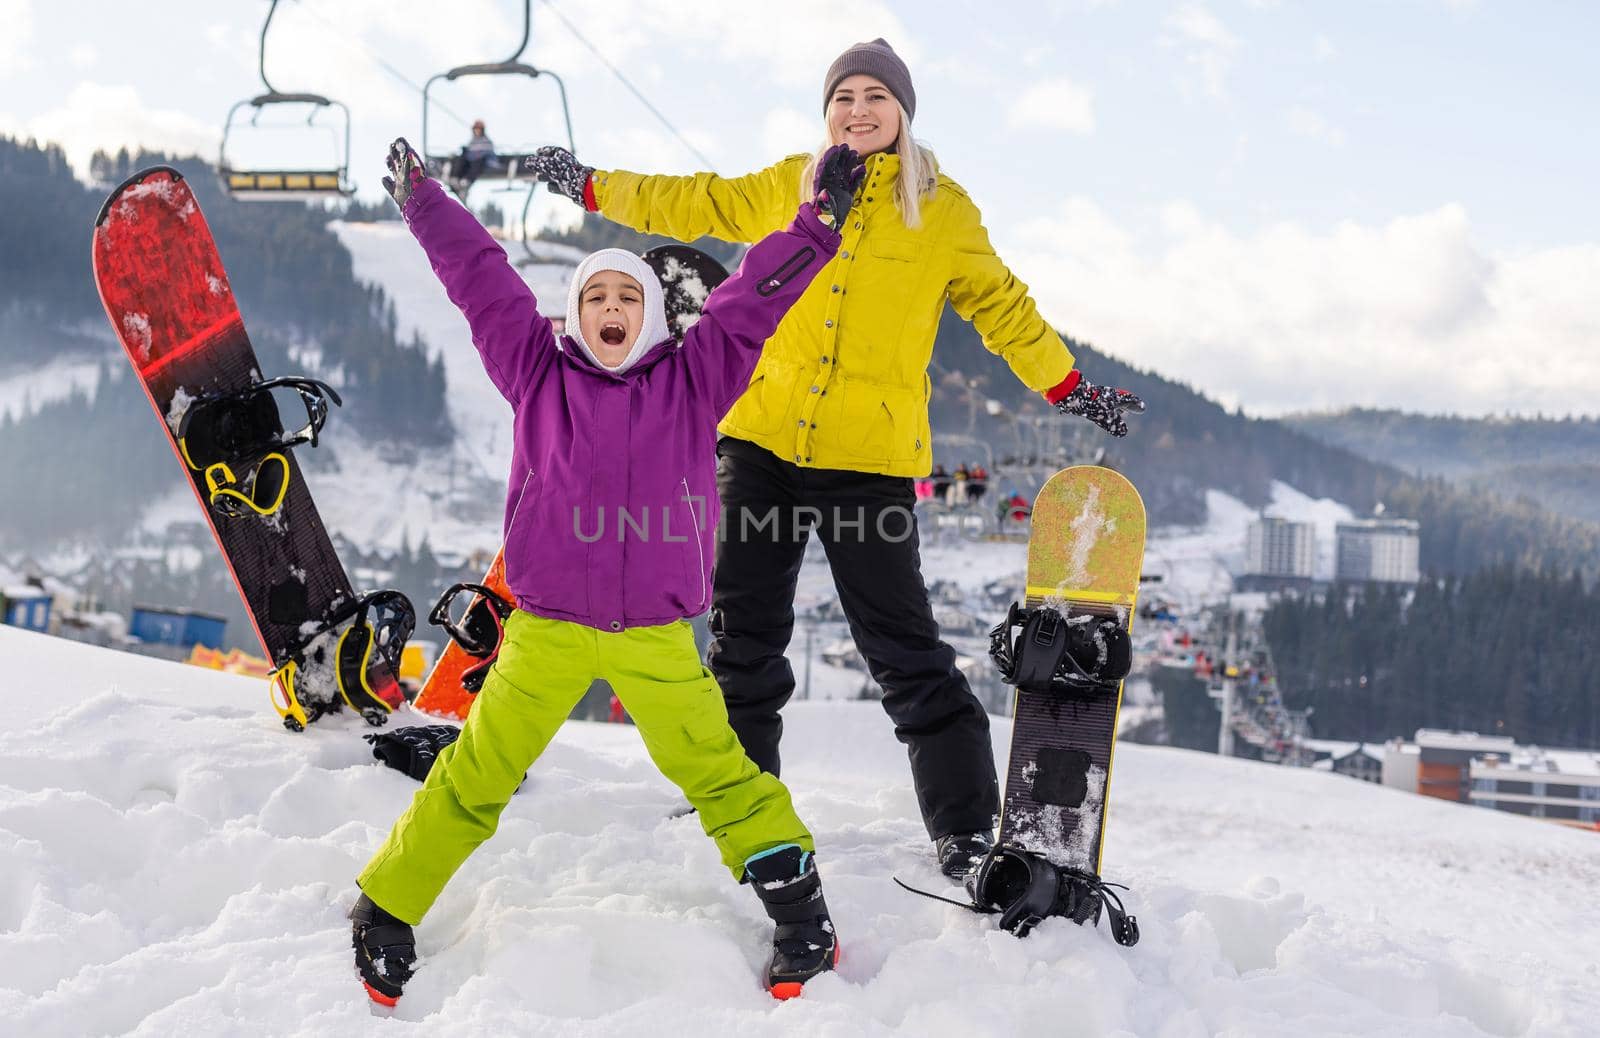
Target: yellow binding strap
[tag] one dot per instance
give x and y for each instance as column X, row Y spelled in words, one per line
column 227, row 499
column 361, row 672
column 280, row 687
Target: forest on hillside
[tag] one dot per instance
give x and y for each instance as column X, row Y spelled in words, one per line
column 1502, row 651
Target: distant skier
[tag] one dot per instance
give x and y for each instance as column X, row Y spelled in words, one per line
column 836, row 424
column 615, row 423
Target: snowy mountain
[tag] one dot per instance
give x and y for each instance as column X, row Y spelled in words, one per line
column 174, row 862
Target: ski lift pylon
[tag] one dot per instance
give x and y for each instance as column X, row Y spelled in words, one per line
column 285, row 183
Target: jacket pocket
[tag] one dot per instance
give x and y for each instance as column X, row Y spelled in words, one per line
column 546, row 562
column 771, row 283
column 762, row 406
column 883, row 423
column 520, row 543
column 697, row 591
column 900, row 249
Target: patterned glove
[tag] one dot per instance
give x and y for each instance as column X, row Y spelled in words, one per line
column 839, row 171
column 1101, row 405
column 407, row 171
column 561, row 171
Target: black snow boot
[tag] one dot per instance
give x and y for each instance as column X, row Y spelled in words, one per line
column 785, row 879
column 385, row 950
column 960, row 853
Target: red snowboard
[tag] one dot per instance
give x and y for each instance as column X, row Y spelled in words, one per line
column 167, row 295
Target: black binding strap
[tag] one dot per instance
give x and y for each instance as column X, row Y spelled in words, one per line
column 479, row 632
column 481, row 626
column 1042, row 650
column 239, row 427
column 1024, row 888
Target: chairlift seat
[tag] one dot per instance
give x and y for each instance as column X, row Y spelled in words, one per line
column 286, row 184
column 512, row 167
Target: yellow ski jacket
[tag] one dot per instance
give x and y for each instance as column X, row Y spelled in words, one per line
column 843, row 383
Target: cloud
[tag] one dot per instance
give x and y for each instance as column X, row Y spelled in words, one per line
column 1410, row 313
column 84, row 56
column 1322, row 48
column 1057, row 104
column 1303, row 122
column 96, row 116
column 786, row 131
column 16, row 42
column 791, row 45
column 1206, row 45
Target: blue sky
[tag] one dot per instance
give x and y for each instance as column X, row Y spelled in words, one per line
column 1288, row 205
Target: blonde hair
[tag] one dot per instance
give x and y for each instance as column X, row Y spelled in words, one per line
column 919, row 172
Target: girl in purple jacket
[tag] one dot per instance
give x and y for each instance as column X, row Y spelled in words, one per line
column 611, row 511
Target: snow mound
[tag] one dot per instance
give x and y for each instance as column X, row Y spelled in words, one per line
column 173, row 862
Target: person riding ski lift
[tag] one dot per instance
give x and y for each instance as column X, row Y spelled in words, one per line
column 473, row 159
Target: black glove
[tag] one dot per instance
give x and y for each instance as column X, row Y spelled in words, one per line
column 561, row 171
column 412, row 750
column 839, row 171
column 406, row 169
column 1101, row 405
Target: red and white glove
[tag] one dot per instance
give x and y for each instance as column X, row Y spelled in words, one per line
column 1101, row 405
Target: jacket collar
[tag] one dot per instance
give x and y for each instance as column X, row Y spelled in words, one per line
column 883, row 164
column 581, row 361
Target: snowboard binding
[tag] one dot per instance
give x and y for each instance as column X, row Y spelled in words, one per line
column 238, row 441
column 376, row 624
column 1042, row 650
column 480, row 630
column 1025, row 888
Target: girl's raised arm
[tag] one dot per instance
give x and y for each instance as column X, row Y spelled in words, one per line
column 513, row 338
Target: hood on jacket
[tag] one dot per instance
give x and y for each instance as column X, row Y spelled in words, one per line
column 654, row 330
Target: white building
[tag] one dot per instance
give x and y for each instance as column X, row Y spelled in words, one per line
column 1378, row 550
column 1561, row 785
column 1280, row 548
column 1400, row 764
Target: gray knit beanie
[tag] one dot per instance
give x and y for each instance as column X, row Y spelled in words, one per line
column 878, row 60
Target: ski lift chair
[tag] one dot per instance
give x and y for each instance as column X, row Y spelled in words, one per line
column 292, row 183
column 509, row 167
column 296, row 182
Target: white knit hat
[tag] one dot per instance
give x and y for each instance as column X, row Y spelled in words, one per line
column 654, row 331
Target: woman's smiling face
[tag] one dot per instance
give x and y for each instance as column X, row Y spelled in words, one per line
column 863, row 114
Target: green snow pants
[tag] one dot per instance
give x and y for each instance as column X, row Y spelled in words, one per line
column 544, row 668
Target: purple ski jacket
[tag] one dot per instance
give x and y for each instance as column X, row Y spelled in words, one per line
column 612, row 508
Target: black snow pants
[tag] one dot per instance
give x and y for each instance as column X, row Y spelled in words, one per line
column 868, row 530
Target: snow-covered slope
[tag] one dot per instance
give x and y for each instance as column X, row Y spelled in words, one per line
column 173, row 862
column 386, row 254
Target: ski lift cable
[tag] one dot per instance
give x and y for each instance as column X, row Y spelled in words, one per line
column 377, row 59
column 635, row 91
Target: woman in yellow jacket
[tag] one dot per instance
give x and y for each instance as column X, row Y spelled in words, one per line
column 834, row 425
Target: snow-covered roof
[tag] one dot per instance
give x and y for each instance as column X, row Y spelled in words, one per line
column 1438, row 739
column 1535, row 760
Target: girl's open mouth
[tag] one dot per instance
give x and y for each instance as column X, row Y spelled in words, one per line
column 613, row 334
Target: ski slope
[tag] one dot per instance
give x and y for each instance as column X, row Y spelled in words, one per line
column 173, row 862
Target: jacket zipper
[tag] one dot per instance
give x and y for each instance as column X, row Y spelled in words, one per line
column 786, row 272
column 512, row 525
column 694, row 521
